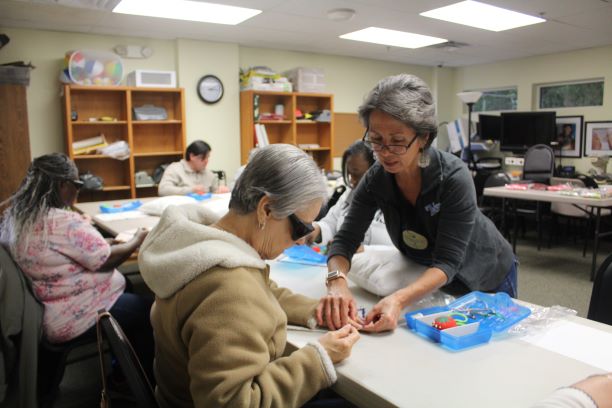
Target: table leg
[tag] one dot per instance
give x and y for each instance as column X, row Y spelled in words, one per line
column 595, row 243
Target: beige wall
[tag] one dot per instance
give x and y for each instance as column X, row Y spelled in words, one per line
column 525, row 73
column 219, row 124
column 349, row 79
column 46, row 50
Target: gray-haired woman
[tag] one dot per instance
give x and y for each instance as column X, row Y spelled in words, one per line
column 428, row 200
column 220, row 323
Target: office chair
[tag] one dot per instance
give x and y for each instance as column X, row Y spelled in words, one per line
column 600, row 308
column 121, row 348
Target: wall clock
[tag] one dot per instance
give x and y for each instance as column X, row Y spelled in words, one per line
column 210, row 89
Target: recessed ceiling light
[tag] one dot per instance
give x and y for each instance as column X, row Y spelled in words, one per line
column 481, row 15
column 392, row 37
column 341, row 14
column 187, row 10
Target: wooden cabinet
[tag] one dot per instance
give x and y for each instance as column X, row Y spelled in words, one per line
column 151, row 142
column 314, row 137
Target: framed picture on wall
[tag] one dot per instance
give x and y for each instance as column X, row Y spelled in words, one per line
column 598, row 138
column 569, row 136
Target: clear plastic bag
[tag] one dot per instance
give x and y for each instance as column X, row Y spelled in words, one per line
column 119, row 150
column 540, row 318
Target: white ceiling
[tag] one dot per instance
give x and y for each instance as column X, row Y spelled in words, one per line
column 302, row 25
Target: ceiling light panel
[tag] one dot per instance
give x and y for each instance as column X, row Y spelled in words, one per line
column 393, row 38
column 186, row 10
column 481, row 15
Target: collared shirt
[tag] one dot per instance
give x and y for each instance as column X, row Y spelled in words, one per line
column 179, row 179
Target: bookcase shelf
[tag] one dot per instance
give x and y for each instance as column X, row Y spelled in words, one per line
column 151, row 142
column 289, row 130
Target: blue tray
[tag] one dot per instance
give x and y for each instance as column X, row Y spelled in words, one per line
column 108, row 208
column 480, row 316
column 200, row 197
column 305, row 253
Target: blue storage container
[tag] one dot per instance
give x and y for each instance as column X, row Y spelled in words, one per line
column 476, row 317
column 132, row 205
column 199, row 197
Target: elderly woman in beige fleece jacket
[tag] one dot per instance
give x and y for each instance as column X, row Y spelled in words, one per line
column 220, row 323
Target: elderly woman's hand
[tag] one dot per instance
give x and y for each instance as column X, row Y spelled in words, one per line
column 339, row 343
column 338, row 307
column 384, row 315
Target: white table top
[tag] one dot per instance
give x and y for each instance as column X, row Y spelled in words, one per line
column 405, row 370
column 123, row 221
column 548, row 196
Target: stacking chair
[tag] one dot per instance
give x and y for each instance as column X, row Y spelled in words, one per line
column 121, row 349
column 539, row 164
column 600, row 308
column 494, row 207
column 538, row 167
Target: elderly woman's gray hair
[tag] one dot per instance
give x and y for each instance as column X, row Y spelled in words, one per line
column 287, row 175
column 408, row 99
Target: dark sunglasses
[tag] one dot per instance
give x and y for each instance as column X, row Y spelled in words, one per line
column 78, row 184
column 299, row 229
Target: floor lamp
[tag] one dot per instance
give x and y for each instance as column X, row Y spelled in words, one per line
column 470, row 98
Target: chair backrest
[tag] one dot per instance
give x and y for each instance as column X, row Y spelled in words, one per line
column 497, row 180
column 539, row 163
column 128, row 361
column 569, row 210
column 600, row 308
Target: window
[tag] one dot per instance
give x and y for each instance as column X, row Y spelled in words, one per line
column 497, row 100
column 571, row 94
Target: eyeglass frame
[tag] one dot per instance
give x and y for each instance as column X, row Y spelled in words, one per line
column 370, row 144
column 299, row 229
column 78, row 184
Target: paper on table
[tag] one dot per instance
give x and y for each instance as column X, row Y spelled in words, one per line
column 124, row 215
column 576, row 341
column 125, row 236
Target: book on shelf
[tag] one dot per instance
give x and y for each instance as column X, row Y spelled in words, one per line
column 309, row 146
column 90, row 144
column 261, row 135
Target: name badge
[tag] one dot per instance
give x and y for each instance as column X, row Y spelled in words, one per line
column 414, row 240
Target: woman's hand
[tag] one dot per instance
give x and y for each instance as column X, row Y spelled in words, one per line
column 222, row 190
column 339, row 343
column 338, row 307
column 384, row 315
column 140, row 235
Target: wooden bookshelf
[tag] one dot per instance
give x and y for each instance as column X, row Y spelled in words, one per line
column 288, row 129
column 151, row 142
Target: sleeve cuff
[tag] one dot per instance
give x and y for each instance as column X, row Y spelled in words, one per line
column 567, row 397
column 328, row 366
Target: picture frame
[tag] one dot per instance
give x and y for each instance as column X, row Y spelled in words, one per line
column 598, row 138
column 569, row 136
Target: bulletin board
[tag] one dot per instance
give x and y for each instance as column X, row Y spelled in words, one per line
column 347, row 129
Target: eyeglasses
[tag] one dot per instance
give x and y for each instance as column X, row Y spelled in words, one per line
column 299, row 229
column 397, row 149
column 78, row 184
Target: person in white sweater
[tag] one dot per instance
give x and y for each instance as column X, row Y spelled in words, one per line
column 356, row 161
column 593, row 392
column 190, row 175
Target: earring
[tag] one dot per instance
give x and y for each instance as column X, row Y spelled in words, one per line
column 423, row 158
column 262, row 225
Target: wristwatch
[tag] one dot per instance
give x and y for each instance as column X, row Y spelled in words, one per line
column 333, row 275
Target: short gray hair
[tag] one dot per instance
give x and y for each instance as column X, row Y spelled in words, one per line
column 287, row 175
column 408, row 99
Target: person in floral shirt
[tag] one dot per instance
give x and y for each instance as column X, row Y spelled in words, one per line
column 71, row 266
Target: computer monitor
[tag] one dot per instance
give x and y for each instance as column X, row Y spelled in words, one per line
column 521, row 130
column 489, row 127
